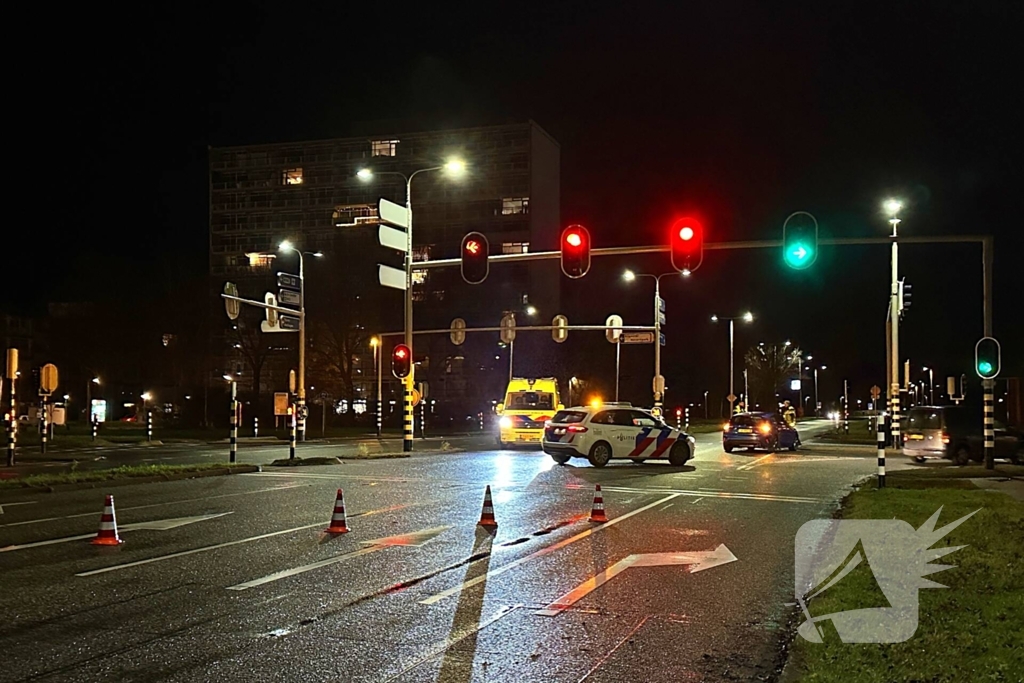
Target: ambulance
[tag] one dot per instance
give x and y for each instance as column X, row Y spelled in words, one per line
column 528, row 404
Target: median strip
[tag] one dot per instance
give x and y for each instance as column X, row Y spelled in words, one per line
column 124, row 472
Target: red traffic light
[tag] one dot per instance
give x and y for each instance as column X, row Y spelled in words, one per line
column 475, row 266
column 401, row 361
column 686, row 245
column 575, row 247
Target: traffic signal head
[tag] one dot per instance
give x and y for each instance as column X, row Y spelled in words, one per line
column 575, row 247
column 475, row 250
column 800, row 240
column 686, row 245
column 401, row 361
column 987, row 358
column 905, row 296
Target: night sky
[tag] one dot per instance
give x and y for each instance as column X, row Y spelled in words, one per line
column 740, row 112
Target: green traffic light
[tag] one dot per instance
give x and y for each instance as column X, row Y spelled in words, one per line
column 799, row 255
column 985, row 367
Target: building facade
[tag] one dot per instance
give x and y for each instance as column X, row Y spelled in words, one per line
column 309, row 193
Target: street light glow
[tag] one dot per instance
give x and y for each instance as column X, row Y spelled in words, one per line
column 748, row 317
column 714, row 318
column 364, row 174
column 374, row 342
column 317, row 254
column 146, row 396
column 629, row 276
column 95, row 380
column 455, row 166
column 286, row 246
column 892, row 206
column 229, row 378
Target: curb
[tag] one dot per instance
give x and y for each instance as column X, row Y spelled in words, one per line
column 126, row 481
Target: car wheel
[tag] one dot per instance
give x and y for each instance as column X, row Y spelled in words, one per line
column 1018, row 457
column 560, row 459
column 962, row 455
column 679, row 454
column 728, row 449
column 600, row 454
column 919, row 459
column 792, row 446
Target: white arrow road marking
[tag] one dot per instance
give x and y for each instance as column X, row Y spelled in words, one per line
column 414, row 539
column 27, row 502
column 156, row 525
column 754, row 463
column 699, row 561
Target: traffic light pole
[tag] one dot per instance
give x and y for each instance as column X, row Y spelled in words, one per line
column 407, row 414
column 989, row 423
column 894, row 331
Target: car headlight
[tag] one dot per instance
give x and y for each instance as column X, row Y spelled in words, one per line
column 505, row 422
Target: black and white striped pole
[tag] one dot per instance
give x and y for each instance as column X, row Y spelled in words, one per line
column 94, row 426
column 291, row 443
column 880, row 427
column 988, row 359
column 255, row 427
column 12, row 425
column 423, row 411
column 234, row 421
column 989, row 417
column 44, row 432
column 687, row 414
column 149, row 425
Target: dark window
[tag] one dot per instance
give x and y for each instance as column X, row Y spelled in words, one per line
column 924, row 418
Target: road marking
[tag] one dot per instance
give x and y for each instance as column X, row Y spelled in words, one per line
column 27, row 502
column 696, row 500
column 414, row 539
column 699, row 561
column 754, row 463
column 155, row 525
column 203, row 549
column 543, row 551
column 619, row 644
column 155, row 505
column 710, row 493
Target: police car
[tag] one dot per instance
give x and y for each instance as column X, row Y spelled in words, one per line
column 613, row 430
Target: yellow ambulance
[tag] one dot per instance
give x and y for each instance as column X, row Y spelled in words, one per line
column 528, row 404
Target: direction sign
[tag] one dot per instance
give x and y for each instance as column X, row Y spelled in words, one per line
column 613, row 328
column 876, row 391
column 662, row 338
column 288, row 322
column 280, row 403
column 661, row 305
column 508, row 328
column 637, row 338
column 289, row 281
column 731, row 398
column 391, row 277
column 416, row 397
column 289, row 297
column 232, row 307
column 393, row 239
column 661, row 318
column 392, row 213
column 559, row 332
column 458, row 333
column 48, row 378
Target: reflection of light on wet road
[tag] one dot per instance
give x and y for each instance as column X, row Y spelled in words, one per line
column 502, row 471
column 503, row 496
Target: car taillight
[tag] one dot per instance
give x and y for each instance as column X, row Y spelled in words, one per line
column 765, row 428
column 726, row 426
column 945, row 438
column 576, row 428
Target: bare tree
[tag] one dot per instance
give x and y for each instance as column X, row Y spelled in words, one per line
column 768, row 368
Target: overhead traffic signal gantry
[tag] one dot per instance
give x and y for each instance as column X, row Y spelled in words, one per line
column 475, row 249
column 686, row 244
column 987, row 358
column 800, row 240
column 575, row 248
column 401, row 361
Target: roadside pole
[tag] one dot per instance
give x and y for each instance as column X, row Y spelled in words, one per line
column 846, row 406
column 255, row 427
column 234, row 421
column 43, row 431
column 149, row 425
column 989, row 420
column 94, row 426
column 12, row 427
column 291, row 442
column 880, row 428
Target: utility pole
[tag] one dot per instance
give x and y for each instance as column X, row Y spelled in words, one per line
column 894, row 327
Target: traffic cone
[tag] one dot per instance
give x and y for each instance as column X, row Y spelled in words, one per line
column 487, row 515
column 338, row 522
column 108, row 526
column 597, row 512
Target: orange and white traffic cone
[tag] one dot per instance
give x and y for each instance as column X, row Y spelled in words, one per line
column 487, row 515
column 597, row 512
column 108, row 526
column 338, row 523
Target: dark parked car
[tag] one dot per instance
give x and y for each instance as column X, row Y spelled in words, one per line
column 766, row 431
column 955, row 432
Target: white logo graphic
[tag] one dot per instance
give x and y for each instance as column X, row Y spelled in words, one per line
column 886, row 559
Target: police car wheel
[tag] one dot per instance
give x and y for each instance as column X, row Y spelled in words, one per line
column 792, row 446
column 600, row 454
column 679, row 454
column 560, row 459
column 728, row 449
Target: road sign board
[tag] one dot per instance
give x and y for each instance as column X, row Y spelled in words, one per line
column 613, row 328
column 48, row 378
column 280, row 403
column 289, row 281
column 731, row 398
column 662, row 338
column 392, row 213
column 508, row 328
column 289, row 297
column 232, row 307
column 661, row 318
column 393, row 239
column 291, row 381
column 12, row 363
column 876, row 391
column 637, row 337
column 458, row 333
column 661, row 305
column 289, row 322
column 391, row 277
column 560, row 333
column 416, row 397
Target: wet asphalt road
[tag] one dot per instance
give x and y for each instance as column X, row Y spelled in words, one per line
column 233, row 579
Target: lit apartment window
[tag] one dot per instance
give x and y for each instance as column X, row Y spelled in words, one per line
column 260, row 261
column 291, row 176
column 515, row 247
column 383, row 148
column 514, row 205
column 419, row 277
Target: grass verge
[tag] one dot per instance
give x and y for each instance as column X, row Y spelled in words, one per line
column 968, row 632
column 122, row 472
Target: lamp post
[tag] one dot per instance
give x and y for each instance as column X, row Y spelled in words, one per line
column 706, row 403
column 288, row 247
column 375, row 345
column 931, row 383
column 453, row 167
column 658, row 384
column 892, row 207
column 88, row 397
column 816, row 404
column 746, row 317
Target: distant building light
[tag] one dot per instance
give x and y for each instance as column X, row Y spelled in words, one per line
column 515, row 247
column 515, row 205
column 291, row 176
column 383, row 148
column 259, row 260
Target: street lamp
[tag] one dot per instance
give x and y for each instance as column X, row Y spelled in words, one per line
column 892, row 207
column 931, row 382
column 88, row 397
column 287, row 247
column 377, row 356
column 454, row 168
column 706, row 403
column 747, row 317
column 816, row 404
column 659, row 381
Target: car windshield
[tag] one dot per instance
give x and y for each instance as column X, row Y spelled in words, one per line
column 924, row 418
column 745, row 421
column 568, row 416
column 530, row 400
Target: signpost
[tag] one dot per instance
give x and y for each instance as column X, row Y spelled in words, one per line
column 508, row 335
column 47, row 385
column 637, row 338
column 613, row 333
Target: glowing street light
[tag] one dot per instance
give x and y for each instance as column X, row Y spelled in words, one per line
column 747, row 318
